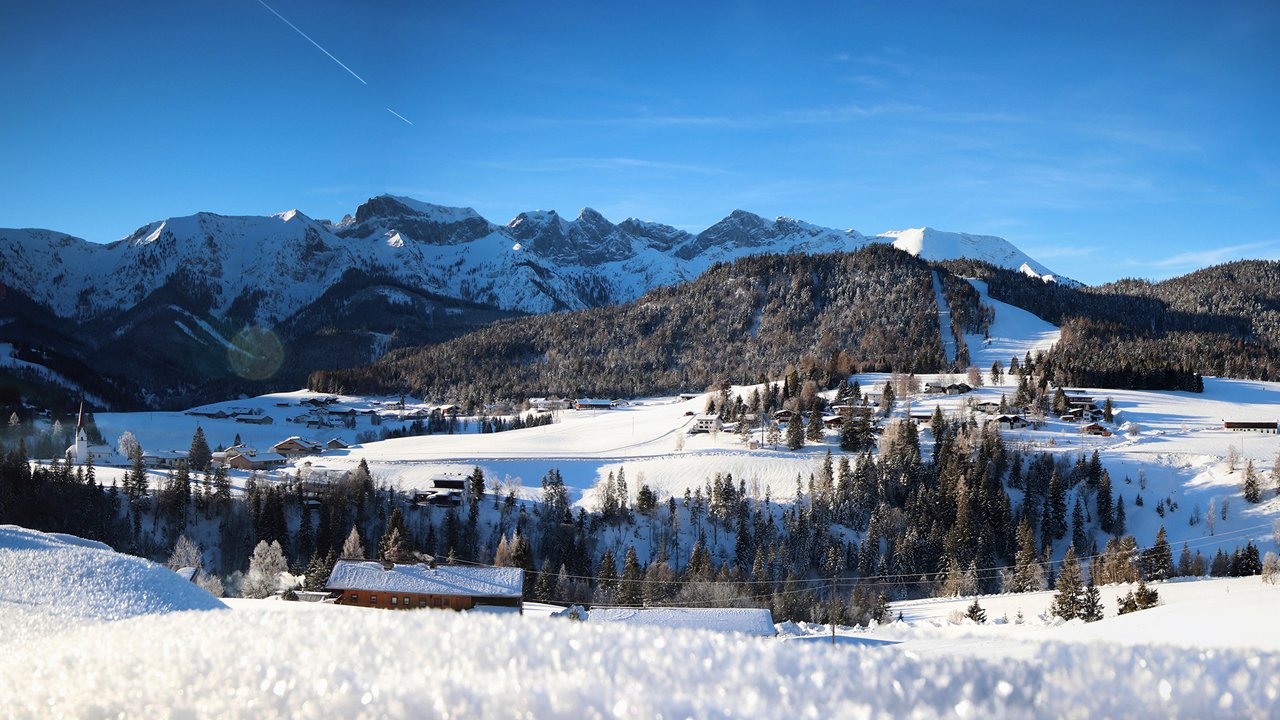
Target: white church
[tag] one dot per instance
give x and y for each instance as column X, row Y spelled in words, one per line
column 78, row 454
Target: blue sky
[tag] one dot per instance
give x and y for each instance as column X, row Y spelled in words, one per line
column 1106, row 139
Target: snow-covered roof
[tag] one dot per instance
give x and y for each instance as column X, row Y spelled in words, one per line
column 420, row 578
column 750, row 621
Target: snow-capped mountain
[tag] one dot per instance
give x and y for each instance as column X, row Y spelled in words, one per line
column 937, row 245
column 266, row 269
column 167, row 302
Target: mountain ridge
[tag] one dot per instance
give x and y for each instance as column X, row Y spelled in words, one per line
column 539, row 261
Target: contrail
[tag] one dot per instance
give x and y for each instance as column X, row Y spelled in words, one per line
column 313, row 42
column 393, row 112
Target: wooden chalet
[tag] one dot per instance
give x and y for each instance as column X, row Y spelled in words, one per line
column 1012, row 422
column 987, row 406
column 335, row 444
column 254, row 419
column 784, row 415
column 260, row 461
column 296, row 447
column 1268, row 428
column 418, row 586
column 934, row 388
column 833, row 421
column 1095, row 429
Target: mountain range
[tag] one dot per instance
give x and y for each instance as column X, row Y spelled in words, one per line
column 174, row 298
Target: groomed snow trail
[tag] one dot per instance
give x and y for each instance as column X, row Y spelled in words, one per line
column 945, row 331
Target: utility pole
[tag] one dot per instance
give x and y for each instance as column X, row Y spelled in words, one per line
column 832, row 613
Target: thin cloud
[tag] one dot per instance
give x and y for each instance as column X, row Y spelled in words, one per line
column 393, row 112
column 1214, row 256
column 568, row 164
column 313, row 42
column 1063, row 251
column 811, row 116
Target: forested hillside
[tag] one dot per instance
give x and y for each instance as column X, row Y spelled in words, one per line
column 873, row 309
column 1222, row 321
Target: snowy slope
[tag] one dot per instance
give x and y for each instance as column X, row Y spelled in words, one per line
column 937, row 245
column 1013, row 333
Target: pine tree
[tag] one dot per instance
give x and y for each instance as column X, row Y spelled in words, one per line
column 1091, row 604
column 795, row 433
column 199, row 456
column 477, row 484
column 1105, row 518
column 1160, row 558
column 1068, row 602
column 1118, row 524
column 1028, row 574
column 397, row 544
column 631, row 589
column 1079, row 534
column 814, row 432
column 1252, row 488
column 353, row 548
column 976, row 613
column 607, row 576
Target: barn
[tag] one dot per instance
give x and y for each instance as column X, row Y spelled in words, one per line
column 415, row 586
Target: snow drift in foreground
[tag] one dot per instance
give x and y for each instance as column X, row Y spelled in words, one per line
column 75, row 579
column 273, row 662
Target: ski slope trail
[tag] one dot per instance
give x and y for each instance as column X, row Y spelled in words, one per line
column 1014, row 333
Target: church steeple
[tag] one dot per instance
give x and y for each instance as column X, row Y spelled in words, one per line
column 79, row 453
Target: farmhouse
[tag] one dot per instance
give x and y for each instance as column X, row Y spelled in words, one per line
column 784, row 415
column 1095, row 429
column 1012, row 422
column 163, row 458
column 335, row 444
column 987, row 406
column 935, row 388
column 261, row 461
column 442, row 491
column 404, row 586
column 705, row 424
column 296, row 447
column 254, row 419
column 1249, row 426
column 591, row 404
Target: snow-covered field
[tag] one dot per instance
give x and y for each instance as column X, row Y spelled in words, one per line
column 167, row 657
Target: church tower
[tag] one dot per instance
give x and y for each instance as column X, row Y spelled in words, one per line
column 79, row 453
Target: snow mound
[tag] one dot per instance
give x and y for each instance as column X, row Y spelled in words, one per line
column 252, row 663
column 749, row 621
column 72, row 578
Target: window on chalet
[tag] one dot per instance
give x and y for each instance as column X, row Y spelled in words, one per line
column 422, row 603
column 394, row 600
column 355, row 597
column 406, row 602
column 373, row 599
